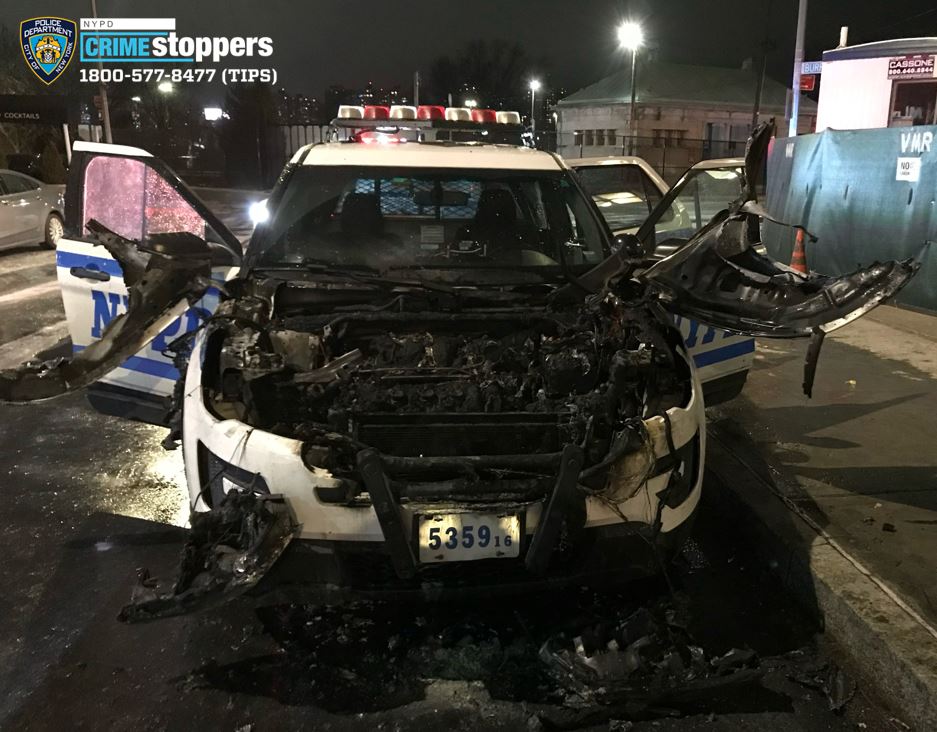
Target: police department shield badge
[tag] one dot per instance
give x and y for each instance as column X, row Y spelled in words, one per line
column 48, row 44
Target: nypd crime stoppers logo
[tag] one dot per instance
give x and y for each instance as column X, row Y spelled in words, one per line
column 48, row 44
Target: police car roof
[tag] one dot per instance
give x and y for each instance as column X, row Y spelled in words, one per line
column 605, row 160
column 428, row 155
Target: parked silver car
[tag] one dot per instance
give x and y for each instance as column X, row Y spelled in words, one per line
column 30, row 211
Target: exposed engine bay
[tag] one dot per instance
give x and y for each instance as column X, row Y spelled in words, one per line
column 472, row 403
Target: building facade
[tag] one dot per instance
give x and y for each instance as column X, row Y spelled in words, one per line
column 683, row 114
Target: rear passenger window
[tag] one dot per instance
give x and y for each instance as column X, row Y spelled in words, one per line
column 15, row 183
column 623, row 193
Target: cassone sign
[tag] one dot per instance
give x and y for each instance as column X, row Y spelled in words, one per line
column 918, row 66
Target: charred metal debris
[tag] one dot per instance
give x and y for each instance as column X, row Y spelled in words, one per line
column 574, row 666
column 171, row 272
column 472, row 405
column 641, row 665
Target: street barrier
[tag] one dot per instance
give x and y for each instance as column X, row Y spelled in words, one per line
column 866, row 194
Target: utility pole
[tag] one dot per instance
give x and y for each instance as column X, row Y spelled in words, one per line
column 102, row 89
column 766, row 46
column 416, row 88
column 798, row 61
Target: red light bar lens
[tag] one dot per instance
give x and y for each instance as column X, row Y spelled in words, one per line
column 376, row 112
column 484, row 115
column 374, row 137
column 430, row 111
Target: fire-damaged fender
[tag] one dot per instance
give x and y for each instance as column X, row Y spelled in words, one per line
column 227, row 552
column 719, row 278
column 167, row 275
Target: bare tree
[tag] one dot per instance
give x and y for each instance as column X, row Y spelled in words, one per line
column 495, row 72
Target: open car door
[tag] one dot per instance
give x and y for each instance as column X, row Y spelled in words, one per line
column 632, row 198
column 139, row 266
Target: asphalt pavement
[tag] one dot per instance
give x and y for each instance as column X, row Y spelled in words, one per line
column 89, row 500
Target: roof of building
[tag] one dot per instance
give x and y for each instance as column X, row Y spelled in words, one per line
column 659, row 82
column 878, row 49
column 428, row 155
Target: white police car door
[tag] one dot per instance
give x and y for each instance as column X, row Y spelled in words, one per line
column 135, row 195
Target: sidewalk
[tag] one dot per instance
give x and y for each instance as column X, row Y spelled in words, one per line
column 859, row 458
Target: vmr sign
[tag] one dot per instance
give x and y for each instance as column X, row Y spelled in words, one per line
column 918, row 66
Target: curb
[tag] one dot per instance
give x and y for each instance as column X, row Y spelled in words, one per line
column 892, row 649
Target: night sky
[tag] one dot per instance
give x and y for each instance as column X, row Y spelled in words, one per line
column 318, row 43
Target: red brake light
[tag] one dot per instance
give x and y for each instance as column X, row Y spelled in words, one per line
column 374, row 111
column 430, row 111
column 484, row 115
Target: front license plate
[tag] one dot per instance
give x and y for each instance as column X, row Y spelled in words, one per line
column 461, row 537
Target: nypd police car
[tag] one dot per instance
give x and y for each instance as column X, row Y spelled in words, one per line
column 435, row 367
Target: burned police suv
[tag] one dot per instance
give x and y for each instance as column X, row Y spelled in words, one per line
column 433, row 369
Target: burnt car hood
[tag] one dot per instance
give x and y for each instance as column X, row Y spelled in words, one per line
column 719, row 278
column 163, row 278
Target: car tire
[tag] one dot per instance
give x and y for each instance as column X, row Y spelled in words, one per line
column 54, row 230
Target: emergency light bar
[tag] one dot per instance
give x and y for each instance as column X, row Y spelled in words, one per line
column 428, row 112
column 427, row 123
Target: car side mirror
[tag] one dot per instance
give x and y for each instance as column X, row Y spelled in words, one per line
column 222, row 256
column 185, row 245
column 629, row 246
column 177, row 245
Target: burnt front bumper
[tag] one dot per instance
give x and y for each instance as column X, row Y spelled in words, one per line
column 331, row 572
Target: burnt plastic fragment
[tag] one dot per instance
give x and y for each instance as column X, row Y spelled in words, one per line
column 228, row 551
column 813, row 355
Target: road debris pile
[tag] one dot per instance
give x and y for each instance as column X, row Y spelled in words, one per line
column 638, row 665
column 827, row 678
column 601, row 664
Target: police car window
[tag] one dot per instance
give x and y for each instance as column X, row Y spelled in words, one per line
column 384, row 217
column 623, row 193
column 134, row 200
column 697, row 197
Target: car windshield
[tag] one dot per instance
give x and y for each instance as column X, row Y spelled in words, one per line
column 623, row 193
column 391, row 217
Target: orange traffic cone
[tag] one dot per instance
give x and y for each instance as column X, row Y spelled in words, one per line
column 799, row 256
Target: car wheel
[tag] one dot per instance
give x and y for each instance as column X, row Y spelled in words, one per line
column 54, row 230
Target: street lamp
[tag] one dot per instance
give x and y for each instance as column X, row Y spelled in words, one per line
column 164, row 86
column 630, row 38
column 534, row 86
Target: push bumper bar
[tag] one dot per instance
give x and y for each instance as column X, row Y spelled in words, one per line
column 558, row 505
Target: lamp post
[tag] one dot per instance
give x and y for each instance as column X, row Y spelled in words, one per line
column 630, row 38
column 534, row 88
